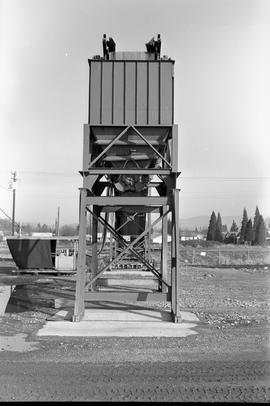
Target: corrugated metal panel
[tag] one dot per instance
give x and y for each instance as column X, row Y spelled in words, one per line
column 131, row 92
column 141, row 93
column 118, row 103
column 94, row 97
column 166, row 93
column 130, row 55
column 153, row 86
column 106, row 101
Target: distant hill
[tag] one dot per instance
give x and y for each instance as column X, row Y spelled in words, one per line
column 203, row 222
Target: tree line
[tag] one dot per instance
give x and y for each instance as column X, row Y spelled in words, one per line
column 28, row 228
column 251, row 233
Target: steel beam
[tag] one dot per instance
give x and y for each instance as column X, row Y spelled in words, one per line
column 164, row 249
column 135, row 171
column 131, row 209
column 148, row 238
column 127, row 201
column 129, row 219
column 111, row 216
column 125, row 245
column 108, row 147
column 117, row 296
column 125, row 251
column 94, row 259
column 175, row 267
column 151, row 146
column 81, row 263
column 124, row 125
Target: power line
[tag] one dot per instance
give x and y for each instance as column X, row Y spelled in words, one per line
column 18, row 225
column 65, row 174
column 233, row 178
column 5, row 188
column 236, row 178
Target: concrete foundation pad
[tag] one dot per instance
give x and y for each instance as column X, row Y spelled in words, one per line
column 122, row 323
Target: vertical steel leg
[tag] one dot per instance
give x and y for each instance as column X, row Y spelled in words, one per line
column 173, row 268
column 149, row 239
column 164, row 249
column 111, row 238
column 94, row 260
column 175, row 258
column 81, row 262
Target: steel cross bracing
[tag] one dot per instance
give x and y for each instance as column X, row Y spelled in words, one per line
column 127, row 247
column 129, row 218
column 167, row 201
column 117, row 138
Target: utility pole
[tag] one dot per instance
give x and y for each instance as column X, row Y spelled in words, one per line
column 58, row 219
column 13, row 187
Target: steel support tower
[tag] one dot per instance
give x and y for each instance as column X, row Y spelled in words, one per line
column 130, row 147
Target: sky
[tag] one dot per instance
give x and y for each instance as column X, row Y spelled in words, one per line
column 222, row 93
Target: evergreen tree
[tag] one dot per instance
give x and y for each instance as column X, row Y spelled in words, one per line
column 249, row 232
column 243, row 226
column 224, row 228
column 234, row 227
column 211, row 232
column 218, row 233
column 255, row 223
column 260, row 237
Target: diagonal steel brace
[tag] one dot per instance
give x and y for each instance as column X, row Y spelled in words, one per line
column 151, row 146
column 108, row 147
column 130, row 218
column 123, row 242
column 129, row 247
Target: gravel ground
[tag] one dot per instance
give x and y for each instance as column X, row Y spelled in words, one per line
column 171, row 381
column 228, row 360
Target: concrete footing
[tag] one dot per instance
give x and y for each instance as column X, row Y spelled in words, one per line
column 117, row 322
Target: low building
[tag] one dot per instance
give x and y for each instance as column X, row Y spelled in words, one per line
column 41, row 235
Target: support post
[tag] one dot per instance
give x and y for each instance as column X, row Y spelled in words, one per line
column 149, row 238
column 81, row 263
column 164, row 249
column 127, row 248
column 13, row 183
column 111, row 238
column 175, row 267
column 13, row 210
column 94, row 259
column 149, row 233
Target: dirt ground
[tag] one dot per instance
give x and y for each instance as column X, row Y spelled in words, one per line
column 228, row 360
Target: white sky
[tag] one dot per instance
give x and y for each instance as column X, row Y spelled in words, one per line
column 222, row 95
